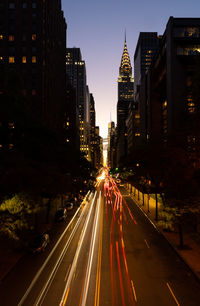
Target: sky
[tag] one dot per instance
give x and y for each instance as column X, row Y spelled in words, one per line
column 98, row 27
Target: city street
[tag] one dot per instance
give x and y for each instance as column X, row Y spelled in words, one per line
column 109, row 254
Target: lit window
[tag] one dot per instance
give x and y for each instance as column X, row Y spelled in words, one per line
column 24, row 5
column 1, row 36
column 11, row 38
column 11, row 5
column 11, row 125
column 33, row 36
column 34, row 59
column 34, row 5
column 1, row 58
column 33, row 92
column 11, row 59
column 24, row 59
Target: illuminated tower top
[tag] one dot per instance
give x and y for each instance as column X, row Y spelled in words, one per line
column 125, row 80
column 125, row 68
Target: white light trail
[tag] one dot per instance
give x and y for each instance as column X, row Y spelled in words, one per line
column 50, row 255
column 91, row 252
column 70, row 277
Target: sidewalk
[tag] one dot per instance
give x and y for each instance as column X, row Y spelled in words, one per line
column 191, row 252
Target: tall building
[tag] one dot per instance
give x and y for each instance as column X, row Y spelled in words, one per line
column 170, row 100
column 111, row 148
column 32, row 45
column 125, row 96
column 147, row 46
column 92, row 139
column 76, row 73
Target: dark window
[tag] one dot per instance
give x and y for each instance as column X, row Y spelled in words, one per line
column 11, row 5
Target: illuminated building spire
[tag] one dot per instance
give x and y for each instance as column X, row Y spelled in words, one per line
column 125, row 67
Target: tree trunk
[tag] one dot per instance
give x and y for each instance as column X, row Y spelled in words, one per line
column 148, row 201
column 156, row 218
column 180, row 235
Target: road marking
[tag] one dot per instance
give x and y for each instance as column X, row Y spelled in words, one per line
column 147, row 244
column 53, row 250
column 172, row 293
column 134, row 290
column 67, row 272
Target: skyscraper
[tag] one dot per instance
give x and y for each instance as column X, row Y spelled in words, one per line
column 76, row 72
column 32, row 45
column 125, row 96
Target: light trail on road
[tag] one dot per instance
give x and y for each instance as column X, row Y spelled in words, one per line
column 73, row 267
column 91, row 252
column 50, row 255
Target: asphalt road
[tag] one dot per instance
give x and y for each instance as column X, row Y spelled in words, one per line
column 109, row 254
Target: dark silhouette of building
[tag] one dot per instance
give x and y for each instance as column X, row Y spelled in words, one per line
column 147, row 46
column 125, row 96
column 76, row 72
column 168, row 96
column 111, row 145
column 32, row 45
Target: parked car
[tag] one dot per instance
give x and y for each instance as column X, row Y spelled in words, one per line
column 39, row 243
column 60, row 214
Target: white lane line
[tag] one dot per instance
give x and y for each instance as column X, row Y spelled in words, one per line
column 67, row 273
column 147, row 244
column 74, row 263
column 46, row 261
column 91, row 253
column 172, row 293
column 133, row 288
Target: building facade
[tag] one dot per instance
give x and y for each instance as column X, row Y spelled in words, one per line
column 146, row 48
column 76, row 73
column 125, row 97
column 169, row 97
column 32, row 45
column 111, row 144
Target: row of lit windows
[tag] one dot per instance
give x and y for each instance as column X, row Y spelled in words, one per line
column 189, row 50
column 12, row 37
column 11, row 59
column 190, row 105
column 10, row 146
column 24, row 5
